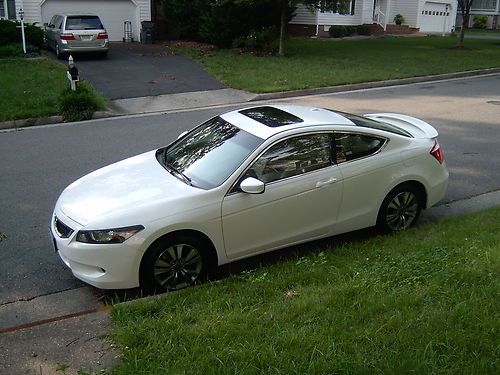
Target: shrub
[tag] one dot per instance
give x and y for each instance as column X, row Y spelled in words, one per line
column 264, row 40
column 480, row 21
column 80, row 104
column 8, row 32
column 340, row 31
column 399, row 19
column 34, row 35
column 363, row 30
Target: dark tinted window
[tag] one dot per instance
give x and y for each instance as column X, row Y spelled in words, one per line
column 292, row 157
column 83, row 23
column 366, row 122
column 211, row 153
column 354, row 146
column 270, row 116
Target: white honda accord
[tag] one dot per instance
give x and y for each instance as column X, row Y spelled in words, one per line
column 243, row 183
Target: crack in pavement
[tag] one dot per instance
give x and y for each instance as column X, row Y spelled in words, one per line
column 38, row 296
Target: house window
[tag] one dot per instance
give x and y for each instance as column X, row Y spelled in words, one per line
column 8, row 9
column 347, row 9
column 484, row 5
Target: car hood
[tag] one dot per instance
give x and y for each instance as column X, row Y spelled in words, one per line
column 121, row 187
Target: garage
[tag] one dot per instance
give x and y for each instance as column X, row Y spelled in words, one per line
column 113, row 13
column 434, row 16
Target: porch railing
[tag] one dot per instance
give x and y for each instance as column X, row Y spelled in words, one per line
column 380, row 18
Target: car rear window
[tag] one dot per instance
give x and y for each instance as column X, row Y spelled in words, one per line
column 366, row 122
column 270, row 116
column 83, row 23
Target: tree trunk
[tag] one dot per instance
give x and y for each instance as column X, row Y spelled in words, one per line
column 461, row 36
column 284, row 18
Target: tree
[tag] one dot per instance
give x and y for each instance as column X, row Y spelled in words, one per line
column 464, row 6
column 340, row 6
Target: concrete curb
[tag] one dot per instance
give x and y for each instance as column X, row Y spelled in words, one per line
column 247, row 97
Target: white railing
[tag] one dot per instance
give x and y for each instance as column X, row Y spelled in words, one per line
column 380, row 18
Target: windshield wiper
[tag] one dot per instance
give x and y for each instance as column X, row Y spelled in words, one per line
column 174, row 171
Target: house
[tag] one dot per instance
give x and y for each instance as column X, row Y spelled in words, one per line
column 489, row 8
column 436, row 16
column 113, row 13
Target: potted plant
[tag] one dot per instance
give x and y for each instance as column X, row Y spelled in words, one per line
column 399, row 19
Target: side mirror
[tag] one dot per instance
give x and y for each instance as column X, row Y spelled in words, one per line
column 251, row 185
column 182, row 135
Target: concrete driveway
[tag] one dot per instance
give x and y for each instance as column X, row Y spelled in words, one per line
column 136, row 70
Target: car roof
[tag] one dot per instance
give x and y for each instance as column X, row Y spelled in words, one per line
column 78, row 14
column 266, row 120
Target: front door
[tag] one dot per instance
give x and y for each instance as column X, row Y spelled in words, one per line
column 301, row 199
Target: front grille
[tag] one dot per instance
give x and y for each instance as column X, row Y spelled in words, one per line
column 62, row 229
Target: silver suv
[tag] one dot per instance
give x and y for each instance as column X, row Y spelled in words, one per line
column 70, row 33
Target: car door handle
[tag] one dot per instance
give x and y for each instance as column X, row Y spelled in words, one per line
column 327, row 182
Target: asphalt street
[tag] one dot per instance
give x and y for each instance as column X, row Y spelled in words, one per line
column 36, row 164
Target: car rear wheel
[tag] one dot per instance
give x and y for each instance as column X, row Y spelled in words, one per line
column 175, row 263
column 400, row 209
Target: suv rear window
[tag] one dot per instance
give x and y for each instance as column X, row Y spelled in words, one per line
column 83, row 23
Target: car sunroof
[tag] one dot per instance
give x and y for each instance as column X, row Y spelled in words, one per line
column 270, row 116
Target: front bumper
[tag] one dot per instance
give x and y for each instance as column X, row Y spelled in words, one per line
column 107, row 266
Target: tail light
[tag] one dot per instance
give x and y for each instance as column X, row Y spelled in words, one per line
column 102, row 36
column 68, row 36
column 437, row 152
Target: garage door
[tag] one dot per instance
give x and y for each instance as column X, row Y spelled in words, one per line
column 111, row 12
column 433, row 18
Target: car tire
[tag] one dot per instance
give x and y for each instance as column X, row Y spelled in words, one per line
column 400, row 209
column 174, row 263
column 59, row 55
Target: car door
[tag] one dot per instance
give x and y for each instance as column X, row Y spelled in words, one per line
column 366, row 172
column 303, row 191
column 49, row 31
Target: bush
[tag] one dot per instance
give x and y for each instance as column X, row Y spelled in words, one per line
column 8, row 33
column 264, row 40
column 80, row 104
column 480, row 21
column 340, row 31
column 398, row 19
column 363, row 30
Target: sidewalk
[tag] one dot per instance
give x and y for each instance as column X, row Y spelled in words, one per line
column 80, row 343
column 222, row 97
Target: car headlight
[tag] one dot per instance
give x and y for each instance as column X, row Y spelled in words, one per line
column 116, row 235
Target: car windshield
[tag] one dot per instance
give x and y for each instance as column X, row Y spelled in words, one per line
column 83, row 23
column 209, row 154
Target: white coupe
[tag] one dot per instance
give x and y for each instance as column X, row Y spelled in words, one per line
column 243, row 183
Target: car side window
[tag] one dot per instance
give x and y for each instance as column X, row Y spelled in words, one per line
column 53, row 20
column 292, row 157
column 349, row 146
column 59, row 22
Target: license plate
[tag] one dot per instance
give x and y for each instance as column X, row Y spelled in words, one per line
column 86, row 37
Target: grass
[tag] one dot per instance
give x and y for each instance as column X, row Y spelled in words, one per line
column 425, row 301
column 31, row 88
column 315, row 63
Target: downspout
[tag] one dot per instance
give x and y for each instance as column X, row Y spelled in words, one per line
column 387, row 10
column 317, row 23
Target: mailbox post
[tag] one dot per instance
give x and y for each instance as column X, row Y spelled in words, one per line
column 72, row 73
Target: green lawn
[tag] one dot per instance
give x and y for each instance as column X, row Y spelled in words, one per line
column 30, row 88
column 316, row 63
column 425, row 301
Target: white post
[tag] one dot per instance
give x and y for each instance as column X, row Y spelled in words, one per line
column 21, row 16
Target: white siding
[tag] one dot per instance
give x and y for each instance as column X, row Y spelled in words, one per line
column 408, row 9
column 304, row 16
column 329, row 18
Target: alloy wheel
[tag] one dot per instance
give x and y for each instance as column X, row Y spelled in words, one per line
column 178, row 266
column 402, row 211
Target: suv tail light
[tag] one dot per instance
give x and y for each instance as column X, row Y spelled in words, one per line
column 102, row 36
column 437, row 152
column 68, row 36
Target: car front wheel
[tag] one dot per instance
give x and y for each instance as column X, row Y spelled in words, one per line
column 400, row 209
column 175, row 263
